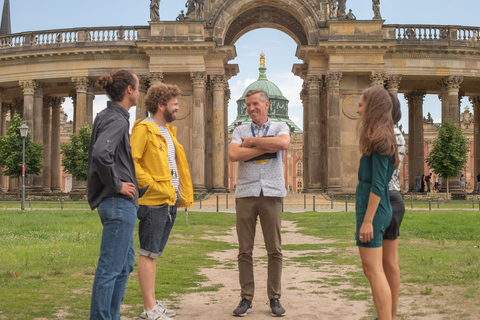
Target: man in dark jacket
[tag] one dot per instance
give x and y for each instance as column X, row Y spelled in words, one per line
column 112, row 189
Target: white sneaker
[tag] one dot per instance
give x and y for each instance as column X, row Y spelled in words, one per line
column 167, row 312
column 154, row 314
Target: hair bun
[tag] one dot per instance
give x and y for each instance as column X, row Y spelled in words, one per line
column 105, row 80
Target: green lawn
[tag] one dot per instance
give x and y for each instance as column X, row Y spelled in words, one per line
column 48, row 257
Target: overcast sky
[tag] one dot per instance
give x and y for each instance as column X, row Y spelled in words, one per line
column 28, row 15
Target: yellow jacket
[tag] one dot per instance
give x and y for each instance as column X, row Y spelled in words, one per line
column 150, row 155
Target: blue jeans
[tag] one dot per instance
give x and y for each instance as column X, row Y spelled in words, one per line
column 154, row 228
column 117, row 257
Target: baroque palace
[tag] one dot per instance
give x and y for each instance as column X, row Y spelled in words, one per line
column 341, row 57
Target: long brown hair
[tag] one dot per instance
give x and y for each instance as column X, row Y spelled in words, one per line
column 375, row 128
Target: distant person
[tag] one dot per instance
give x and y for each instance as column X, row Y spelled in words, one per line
column 162, row 166
column 439, row 184
column 390, row 237
column 259, row 148
column 373, row 210
column 428, row 182
column 478, row 183
column 417, row 183
column 463, row 183
column 112, row 189
column 422, row 183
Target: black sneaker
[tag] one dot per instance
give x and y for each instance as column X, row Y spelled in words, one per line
column 242, row 309
column 277, row 309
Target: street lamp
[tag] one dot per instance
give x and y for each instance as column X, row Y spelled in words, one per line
column 23, row 133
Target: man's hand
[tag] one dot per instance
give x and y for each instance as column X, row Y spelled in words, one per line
column 248, row 142
column 128, row 189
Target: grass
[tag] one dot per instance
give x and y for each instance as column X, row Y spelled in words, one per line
column 48, row 260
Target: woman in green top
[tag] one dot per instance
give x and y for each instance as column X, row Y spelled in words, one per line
column 373, row 210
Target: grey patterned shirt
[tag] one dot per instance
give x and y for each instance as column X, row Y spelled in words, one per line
column 253, row 177
column 394, row 183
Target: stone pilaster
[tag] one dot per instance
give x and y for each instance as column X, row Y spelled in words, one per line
column 304, row 98
column 155, row 78
column 199, row 80
column 80, row 107
column 475, row 101
column 141, row 111
column 333, row 139
column 393, row 83
column 90, row 98
column 314, row 83
column 3, row 114
column 219, row 139
column 28, row 97
column 37, row 132
column 55, row 146
column 416, row 153
column 378, row 79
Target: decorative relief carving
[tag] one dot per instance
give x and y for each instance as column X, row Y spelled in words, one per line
column 155, row 78
column 81, row 84
column 198, row 78
column 393, row 81
column 414, row 96
column 314, row 83
column 218, row 81
column 350, row 105
column 378, row 79
column 28, row 87
column 333, row 79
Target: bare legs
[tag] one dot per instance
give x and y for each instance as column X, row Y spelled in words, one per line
column 373, row 268
column 392, row 271
column 146, row 276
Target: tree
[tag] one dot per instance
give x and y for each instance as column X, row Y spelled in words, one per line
column 450, row 151
column 11, row 151
column 75, row 153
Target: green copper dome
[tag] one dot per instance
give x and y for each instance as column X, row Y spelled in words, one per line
column 278, row 110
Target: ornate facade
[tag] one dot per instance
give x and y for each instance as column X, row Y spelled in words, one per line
column 340, row 59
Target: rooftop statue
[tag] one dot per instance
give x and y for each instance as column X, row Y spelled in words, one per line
column 190, row 5
column 376, row 10
column 341, row 9
column 332, row 6
column 155, row 10
column 181, row 16
column 350, row 15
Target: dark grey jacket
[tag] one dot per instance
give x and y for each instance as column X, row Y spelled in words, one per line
column 110, row 159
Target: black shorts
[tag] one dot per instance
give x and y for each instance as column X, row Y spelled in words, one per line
column 398, row 210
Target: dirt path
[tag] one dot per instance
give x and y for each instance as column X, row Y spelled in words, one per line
column 304, row 296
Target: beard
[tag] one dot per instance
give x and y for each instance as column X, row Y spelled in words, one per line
column 169, row 116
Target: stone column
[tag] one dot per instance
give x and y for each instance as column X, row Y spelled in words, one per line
column 475, row 101
column 306, row 175
column 377, row 79
column 90, row 98
column 80, row 111
column 29, row 87
column 393, row 82
column 314, row 136
column 333, row 137
column 47, row 141
column 3, row 132
column 218, row 133
column 416, row 151
column 37, row 132
column 450, row 98
column 13, row 182
column 141, row 111
column 198, row 164
column 55, row 146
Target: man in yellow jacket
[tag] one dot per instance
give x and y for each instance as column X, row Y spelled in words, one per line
column 160, row 164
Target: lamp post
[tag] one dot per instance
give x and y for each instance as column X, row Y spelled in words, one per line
column 23, row 133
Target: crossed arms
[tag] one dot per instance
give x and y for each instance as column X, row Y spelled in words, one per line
column 255, row 146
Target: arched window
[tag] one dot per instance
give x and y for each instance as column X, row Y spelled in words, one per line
column 299, row 169
column 299, row 185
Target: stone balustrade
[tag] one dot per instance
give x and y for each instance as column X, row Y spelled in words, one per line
column 64, row 37
column 432, row 34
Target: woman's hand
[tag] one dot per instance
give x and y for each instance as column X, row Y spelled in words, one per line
column 366, row 232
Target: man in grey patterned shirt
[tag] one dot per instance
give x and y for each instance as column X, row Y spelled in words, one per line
column 259, row 149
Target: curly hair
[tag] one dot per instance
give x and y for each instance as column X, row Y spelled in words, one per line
column 160, row 94
column 117, row 82
column 375, row 127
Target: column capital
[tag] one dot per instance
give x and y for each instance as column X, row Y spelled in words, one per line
column 81, row 84
column 28, row 86
column 451, row 82
column 142, row 83
column 218, row 81
column 314, row 82
column 475, row 101
column 198, row 78
column 411, row 96
column 40, row 90
column 334, row 78
column 378, row 78
column 155, row 78
column 393, row 81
